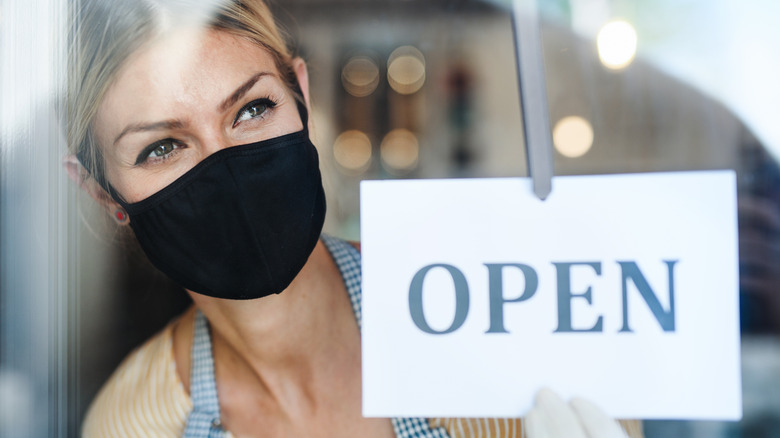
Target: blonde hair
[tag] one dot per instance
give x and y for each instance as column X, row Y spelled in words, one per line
column 104, row 33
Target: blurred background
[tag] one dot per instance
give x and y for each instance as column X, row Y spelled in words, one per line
column 400, row 89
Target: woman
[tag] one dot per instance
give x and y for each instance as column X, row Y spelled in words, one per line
column 189, row 124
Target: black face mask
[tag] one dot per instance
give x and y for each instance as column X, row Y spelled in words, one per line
column 240, row 224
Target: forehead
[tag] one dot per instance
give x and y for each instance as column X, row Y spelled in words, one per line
column 179, row 72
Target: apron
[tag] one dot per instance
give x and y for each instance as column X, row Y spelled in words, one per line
column 203, row 421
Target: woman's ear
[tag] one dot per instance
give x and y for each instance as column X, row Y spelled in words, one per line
column 78, row 174
column 299, row 67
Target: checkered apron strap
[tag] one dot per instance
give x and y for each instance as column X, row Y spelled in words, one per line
column 417, row 428
column 347, row 258
column 203, row 421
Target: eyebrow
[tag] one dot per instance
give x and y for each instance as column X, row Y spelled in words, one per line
column 242, row 90
column 156, row 126
column 177, row 124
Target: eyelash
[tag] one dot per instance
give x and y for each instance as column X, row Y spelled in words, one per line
column 146, row 155
column 264, row 102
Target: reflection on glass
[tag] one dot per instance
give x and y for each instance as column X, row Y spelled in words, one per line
column 573, row 136
column 399, row 151
column 352, row 151
column 406, row 70
column 646, row 122
column 616, row 44
column 360, row 76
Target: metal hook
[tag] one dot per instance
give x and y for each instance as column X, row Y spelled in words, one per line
column 533, row 96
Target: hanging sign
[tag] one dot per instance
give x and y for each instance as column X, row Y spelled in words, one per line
column 622, row 289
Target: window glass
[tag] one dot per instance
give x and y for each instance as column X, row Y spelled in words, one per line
column 400, row 89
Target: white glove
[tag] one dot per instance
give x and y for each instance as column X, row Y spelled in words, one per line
column 551, row 417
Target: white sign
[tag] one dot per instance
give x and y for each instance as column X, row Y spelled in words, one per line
column 622, row 289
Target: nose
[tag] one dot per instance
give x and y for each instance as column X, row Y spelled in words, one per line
column 211, row 141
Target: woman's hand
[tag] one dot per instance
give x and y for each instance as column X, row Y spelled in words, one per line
column 551, row 417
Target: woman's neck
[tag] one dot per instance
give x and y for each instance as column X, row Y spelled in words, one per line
column 288, row 365
column 293, row 339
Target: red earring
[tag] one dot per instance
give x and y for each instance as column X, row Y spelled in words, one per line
column 120, row 216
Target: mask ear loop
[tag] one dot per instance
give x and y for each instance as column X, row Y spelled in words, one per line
column 302, row 111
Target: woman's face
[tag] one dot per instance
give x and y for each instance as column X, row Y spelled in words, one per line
column 181, row 99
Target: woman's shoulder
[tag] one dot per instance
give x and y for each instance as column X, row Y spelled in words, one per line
column 143, row 397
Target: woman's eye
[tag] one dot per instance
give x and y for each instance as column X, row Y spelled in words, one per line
column 254, row 110
column 162, row 150
column 158, row 151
